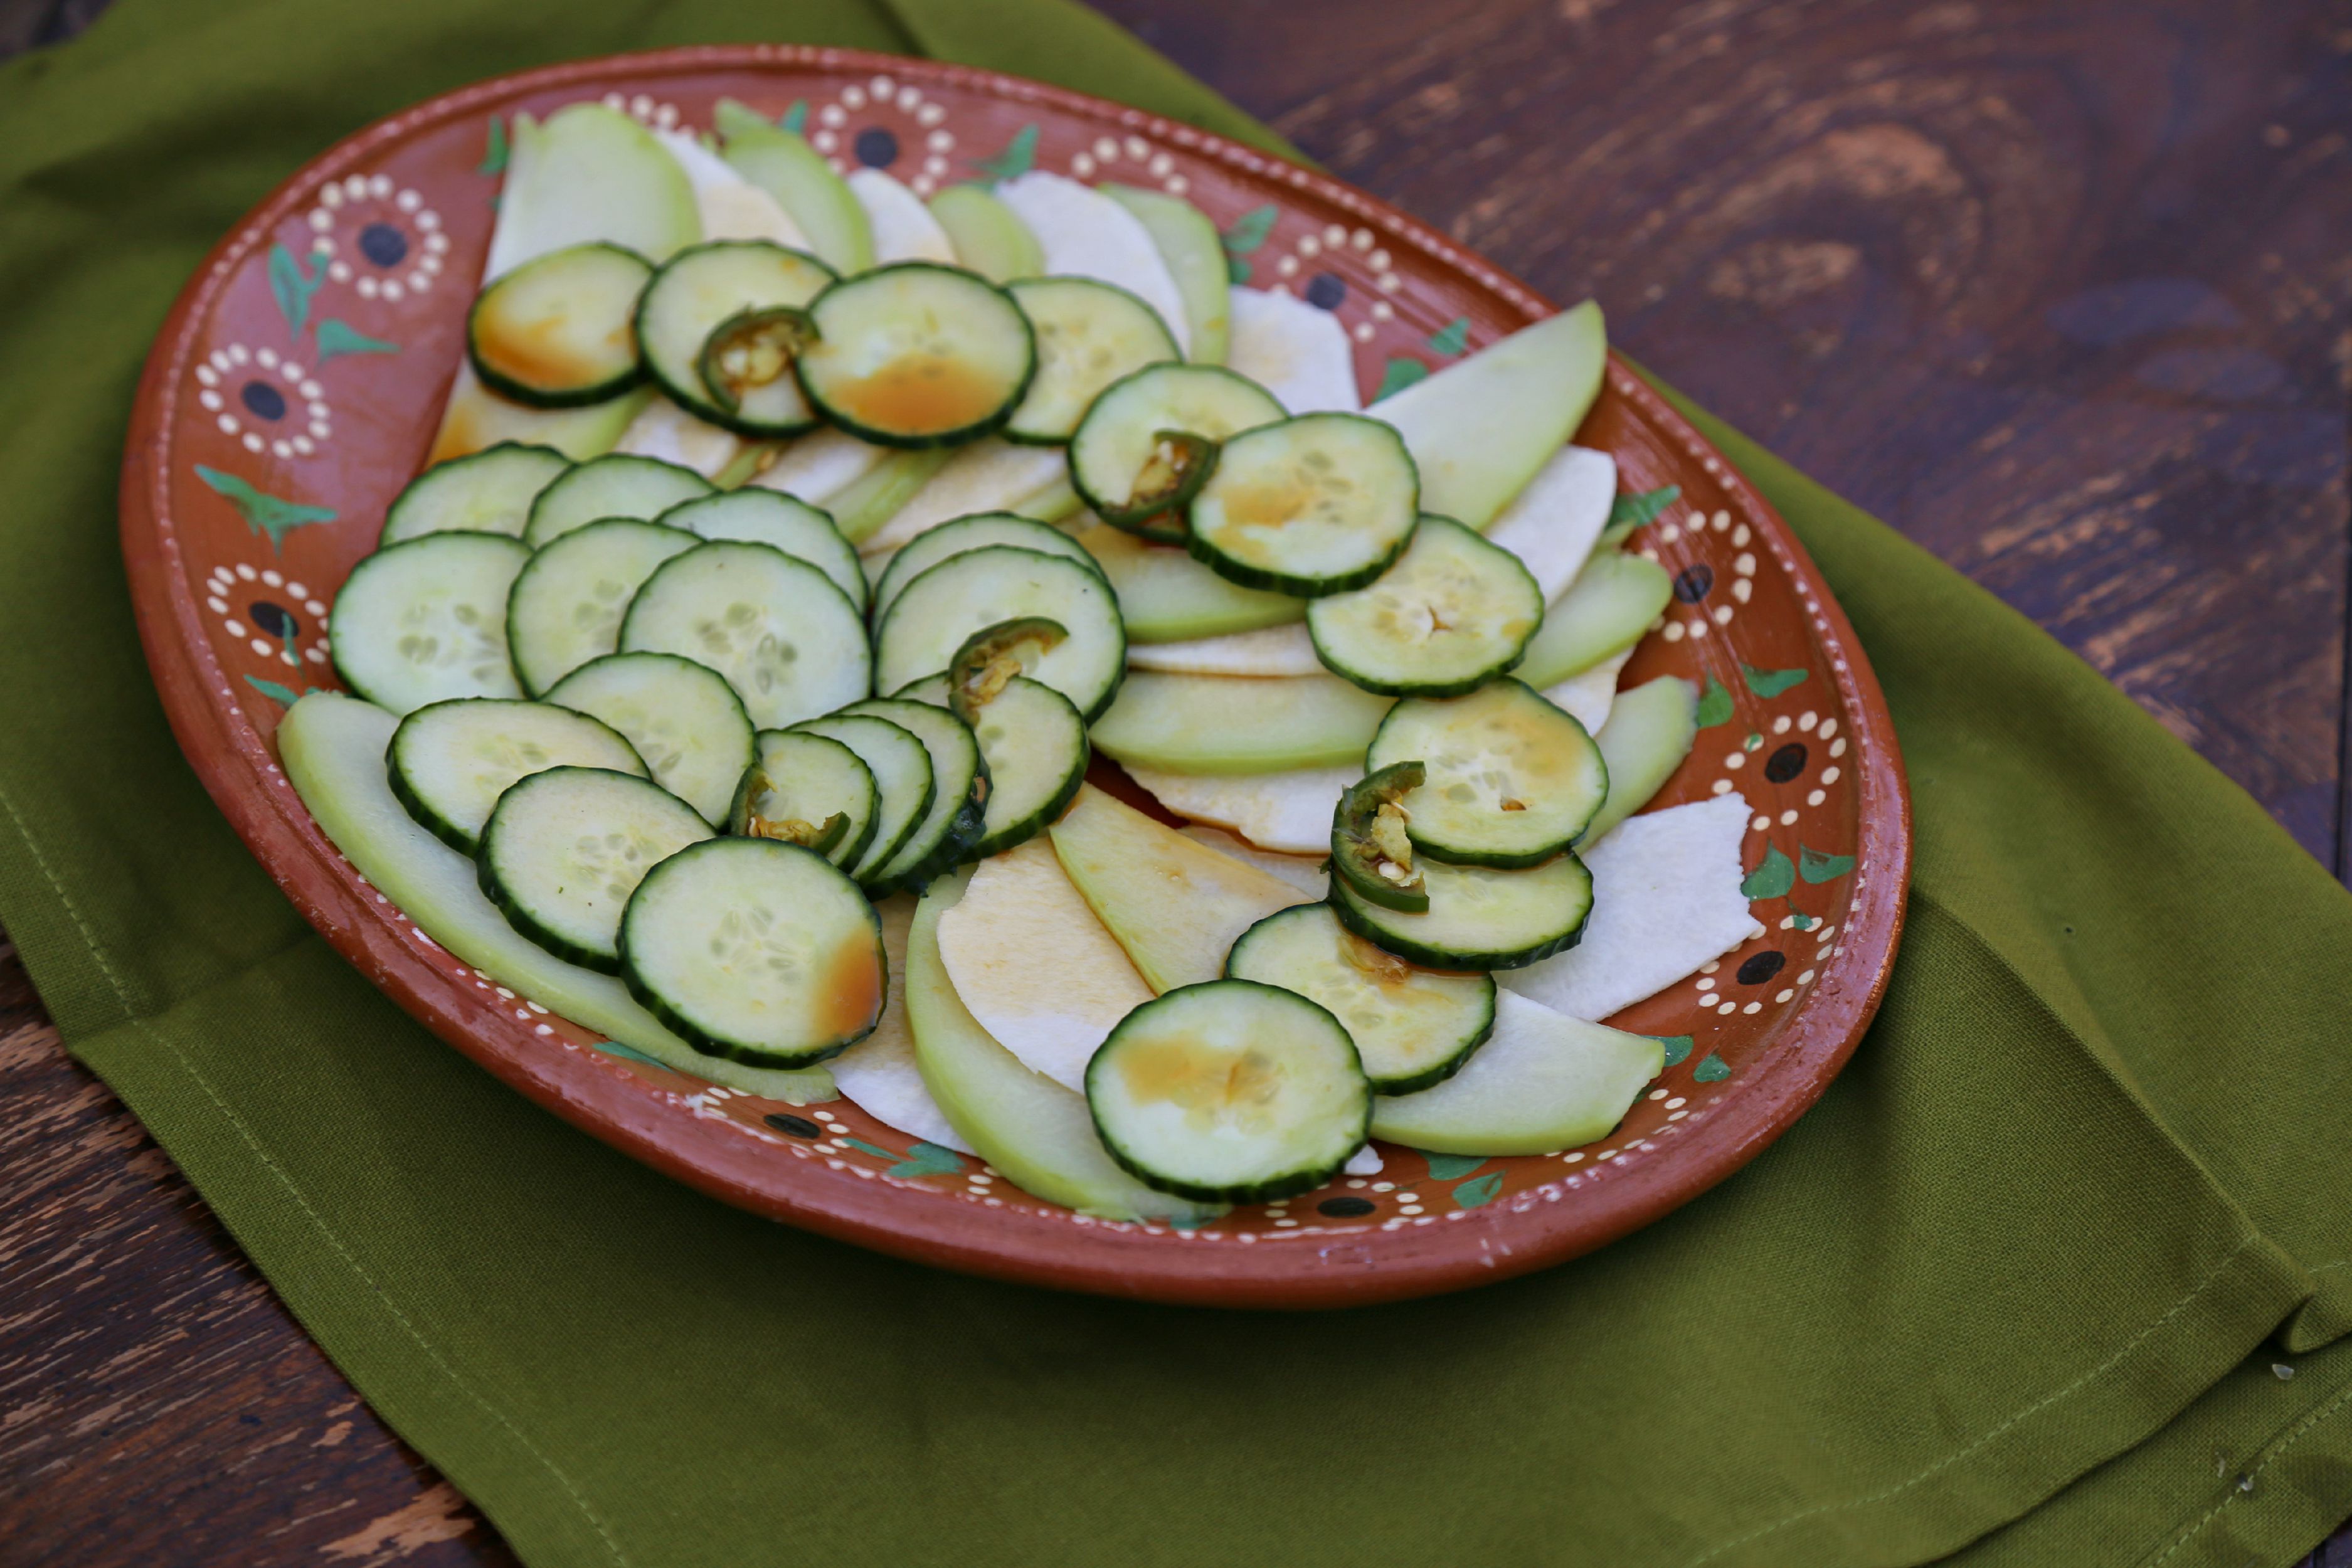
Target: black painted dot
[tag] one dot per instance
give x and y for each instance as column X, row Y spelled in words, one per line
column 1692, row 582
column 1326, row 290
column 877, row 148
column 1786, row 763
column 264, row 400
column 383, row 245
column 274, row 619
column 797, row 1126
column 1345, row 1208
column 1761, row 968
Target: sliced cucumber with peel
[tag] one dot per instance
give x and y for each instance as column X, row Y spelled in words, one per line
column 1478, row 917
column 556, row 332
column 786, row 639
column 619, row 485
column 951, row 824
column 966, row 534
column 1315, row 505
column 1237, row 724
column 1604, row 612
column 487, row 492
column 799, row 528
column 1122, row 461
column 1449, row 615
column 706, row 288
column 902, row 226
column 917, row 354
column 1165, row 596
column 1230, row 1091
column 808, row 789
column 796, row 175
column 476, row 419
column 1089, row 334
column 682, row 718
column 566, row 848
column 934, row 614
column 425, row 621
column 1649, row 732
column 988, row 237
column 1085, row 234
column 1510, row 780
column 1036, row 747
column 1544, row 1082
column 1412, row 1027
column 567, row 603
column 901, row 766
column 756, row 950
column 1195, row 255
column 450, row 762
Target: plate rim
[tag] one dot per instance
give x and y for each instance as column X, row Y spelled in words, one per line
column 241, row 776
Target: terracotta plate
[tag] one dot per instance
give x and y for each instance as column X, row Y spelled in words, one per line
column 296, row 386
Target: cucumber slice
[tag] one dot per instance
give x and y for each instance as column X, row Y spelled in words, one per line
column 787, row 640
column 1543, row 1083
column 556, row 331
column 917, row 354
column 1453, row 612
column 1479, row 918
column 332, row 747
column 566, row 604
column 951, row 824
column 1195, row 257
column 683, row 719
column 987, row 236
column 1236, row 724
column 476, row 419
column 965, row 534
column 450, row 762
column 938, row 609
column 1511, row 781
column 1085, row 234
column 1035, row 1131
column 820, row 465
column 566, row 848
column 702, row 289
column 1316, row 505
column 1115, row 461
column 1090, row 335
column 1371, row 853
column 757, row 951
column 668, row 434
column 989, row 475
column 1650, row 731
column 1036, row 747
column 1412, row 1027
column 863, row 509
column 1287, row 812
column 1297, row 350
column 802, row 183
column 801, row 530
column 1554, row 523
column 427, row 620
column 620, row 485
column 1230, row 1091
column 1268, row 651
column 901, row 766
column 903, row 228
column 1605, row 611
column 729, row 206
column 1481, row 427
column 488, row 493
column 588, row 173
column 1165, row 596
column 800, row 782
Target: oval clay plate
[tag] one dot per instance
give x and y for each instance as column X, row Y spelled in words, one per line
column 298, row 380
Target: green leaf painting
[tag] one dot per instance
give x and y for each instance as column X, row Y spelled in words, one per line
column 493, row 155
column 1020, row 156
column 629, row 1052
column 1798, row 919
column 1771, row 682
column 1445, row 1167
column 264, row 513
column 1400, row 374
column 292, row 285
column 284, row 696
column 1641, row 508
column 1714, row 1069
column 1451, row 338
column 1713, row 704
column 1755, row 742
column 1678, row 1047
column 336, row 338
column 1471, row 1195
column 1247, row 232
column 1774, row 876
column 862, row 1145
column 1237, row 271
column 1815, row 867
column 928, row 1160
column 794, row 118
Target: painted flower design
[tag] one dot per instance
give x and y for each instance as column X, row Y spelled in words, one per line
column 1131, row 160
column 270, row 402
column 1305, row 268
column 645, row 109
column 378, row 237
column 277, row 618
column 860, row 128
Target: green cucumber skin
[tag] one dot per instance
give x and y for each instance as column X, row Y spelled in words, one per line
column 1269, row 581
column 696, row 399
column 494, row 888
column 1123, row 516
column 1235, row 741
column 1605, row 610
column 1464, row 855
column 1171, row 598
column 1366, row 924
column 394, row 533
column 532, row 397
column 843, row 855
column 1461, row 686
column 1011, row 432
column 899, row 441
column 962, row 828
column 933, row 690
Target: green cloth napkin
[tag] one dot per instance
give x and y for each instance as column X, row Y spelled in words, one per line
column 2015, row 1290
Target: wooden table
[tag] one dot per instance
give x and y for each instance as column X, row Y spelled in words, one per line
column 2059, row 291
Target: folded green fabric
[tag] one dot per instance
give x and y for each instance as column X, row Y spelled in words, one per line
column 2015, row 1290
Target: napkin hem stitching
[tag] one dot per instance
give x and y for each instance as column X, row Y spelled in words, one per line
column 2278, row 1451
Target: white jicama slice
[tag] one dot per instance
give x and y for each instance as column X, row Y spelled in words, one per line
column 990, row 475
column 1542, row 1083
column 1553, row 524
column 1085, row 234
column 731, row 206
column 1304, row 872
column 662, row 429
column 1270, row 650
column 590, row 173
column 879, row 1072
column 1294, row 350
column 821, row 465
column 904, row 228
column 1286, row 812
column 477, row 418
column 1035, row 966
column 1588, row 697
column 1665, row 900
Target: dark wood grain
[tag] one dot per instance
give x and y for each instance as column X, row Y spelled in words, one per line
column 2059, row 292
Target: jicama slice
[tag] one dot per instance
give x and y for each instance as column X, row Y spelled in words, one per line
column 879, row 1072
column 1591, row 696
column 1289, row 812
column 476, row 419
column 1552, row 525
column 1085, row 234
column 668, row 434
column 903, row 228
column 989, row 475
column 1304, row 872
column 1294, row 350
column 820, row 465
column 1269, row 651
column 1542, row 1083
column 731, row 207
